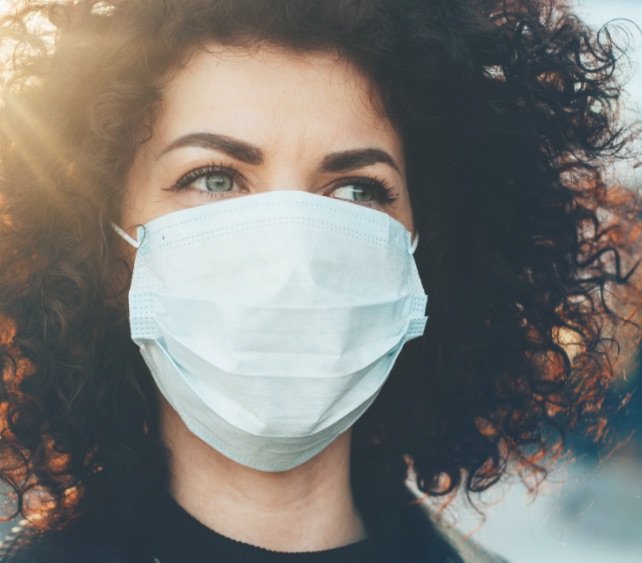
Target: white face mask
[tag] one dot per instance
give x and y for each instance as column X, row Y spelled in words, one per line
column 270, row 322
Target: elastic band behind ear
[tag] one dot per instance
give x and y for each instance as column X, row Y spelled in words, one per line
column 123, row 234
column 414, row 244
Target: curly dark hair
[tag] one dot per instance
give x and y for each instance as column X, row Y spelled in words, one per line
column 507, row 110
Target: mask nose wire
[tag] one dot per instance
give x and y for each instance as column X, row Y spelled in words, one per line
column 125, row 236
column 136, row 244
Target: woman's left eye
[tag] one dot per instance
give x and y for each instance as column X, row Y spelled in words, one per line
column 365, row 191
column 355, row 193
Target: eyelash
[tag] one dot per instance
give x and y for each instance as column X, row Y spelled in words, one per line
column 384, row 193
column 185, row 180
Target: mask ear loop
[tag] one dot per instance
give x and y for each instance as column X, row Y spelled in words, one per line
column 126, row 237
column 414, row 244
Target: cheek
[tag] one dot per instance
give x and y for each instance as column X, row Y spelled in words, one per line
column 132, row 208
column 404, row 212
column 142, row 197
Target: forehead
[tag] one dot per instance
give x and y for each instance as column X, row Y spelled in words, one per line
column 271, row 95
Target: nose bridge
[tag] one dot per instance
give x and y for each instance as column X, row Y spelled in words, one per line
column 289, row 175
column 276, row 186
column 290, row 165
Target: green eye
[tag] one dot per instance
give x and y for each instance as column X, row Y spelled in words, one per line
column 353, row 192
column 364, row 189
column 216, row 182
column 213, row 179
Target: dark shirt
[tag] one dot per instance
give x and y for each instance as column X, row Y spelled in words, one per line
column 173, row 536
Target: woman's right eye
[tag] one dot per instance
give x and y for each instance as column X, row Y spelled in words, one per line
column 211, row 179
column 218, row 182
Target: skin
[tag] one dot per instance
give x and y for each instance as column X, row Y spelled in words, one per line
column 299, row 110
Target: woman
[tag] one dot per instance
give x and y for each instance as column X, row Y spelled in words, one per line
column 220, row 221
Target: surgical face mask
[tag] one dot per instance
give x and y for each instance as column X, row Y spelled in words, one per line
column 270, row 322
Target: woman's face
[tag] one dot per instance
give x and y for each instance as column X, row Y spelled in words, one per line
column 238, row 121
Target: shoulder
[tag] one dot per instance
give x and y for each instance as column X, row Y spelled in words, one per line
column 468, row 549
column 422, row 518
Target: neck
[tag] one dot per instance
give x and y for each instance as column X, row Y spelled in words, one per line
column 308, row 508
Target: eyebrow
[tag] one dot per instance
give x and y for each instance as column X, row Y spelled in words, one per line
column 228, row 145
column 334, row 162
column 357, row 158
